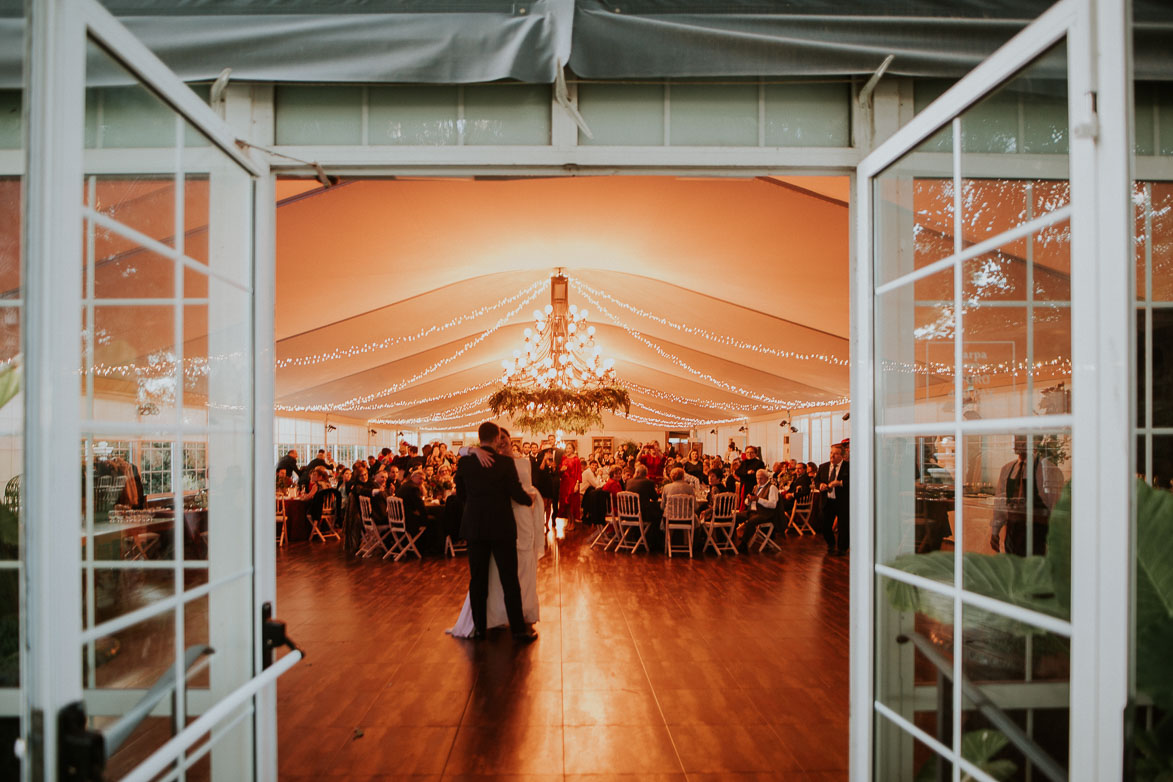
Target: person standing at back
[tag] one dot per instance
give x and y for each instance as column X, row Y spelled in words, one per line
column 491, row 531
column 834, row 483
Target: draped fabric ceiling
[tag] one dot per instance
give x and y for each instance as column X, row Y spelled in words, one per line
column 728, row 263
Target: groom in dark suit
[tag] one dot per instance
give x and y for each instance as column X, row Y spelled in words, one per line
column 489, row 528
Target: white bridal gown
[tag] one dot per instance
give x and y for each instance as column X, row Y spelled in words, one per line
column 531, row 545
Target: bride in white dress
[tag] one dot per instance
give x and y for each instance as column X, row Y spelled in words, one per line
column 531, row 545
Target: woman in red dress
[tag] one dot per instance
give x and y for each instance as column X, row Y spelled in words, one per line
column 569, row 500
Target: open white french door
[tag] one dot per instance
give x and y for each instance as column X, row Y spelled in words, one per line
column 990, row 316
column 148, row 233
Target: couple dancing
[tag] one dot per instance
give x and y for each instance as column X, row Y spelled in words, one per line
column 504, row 525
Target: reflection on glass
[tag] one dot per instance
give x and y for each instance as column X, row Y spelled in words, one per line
column 914, row 333
column 914, row 634
column 1009, row 693
column 913, row 211
column 914, row 498
column 1019, row 504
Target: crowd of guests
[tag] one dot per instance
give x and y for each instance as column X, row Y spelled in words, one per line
column 582, row 489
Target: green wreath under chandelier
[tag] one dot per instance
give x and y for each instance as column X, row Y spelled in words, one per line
column 551, row 409
column 558, row 379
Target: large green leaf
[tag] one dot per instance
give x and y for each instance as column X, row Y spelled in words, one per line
column 978, row 747
column 1154, row 594
column 9, row 383
column 1021, row 581
column 1059, row 549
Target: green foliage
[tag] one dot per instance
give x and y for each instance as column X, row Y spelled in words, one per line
column 979, row 747
column 550, row 409
column 1044, row 584
column 630, row 449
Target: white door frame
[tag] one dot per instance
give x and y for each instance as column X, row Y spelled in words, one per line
column 1098, row 39
column 55, row 84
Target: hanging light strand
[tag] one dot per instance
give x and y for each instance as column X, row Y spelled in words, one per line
column 358, row 402
column 681, row 362
column 720, row 339
column 371, row 347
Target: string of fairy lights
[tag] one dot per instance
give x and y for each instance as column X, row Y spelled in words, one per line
column 370, row 347
column 359, row 402
column 723, row 340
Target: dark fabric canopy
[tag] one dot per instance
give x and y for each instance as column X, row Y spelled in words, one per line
column 469, row 41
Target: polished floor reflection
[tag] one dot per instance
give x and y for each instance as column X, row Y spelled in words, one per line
column 646, row 668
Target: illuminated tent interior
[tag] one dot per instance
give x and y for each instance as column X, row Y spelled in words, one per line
column 717, row 299
column 720, row 300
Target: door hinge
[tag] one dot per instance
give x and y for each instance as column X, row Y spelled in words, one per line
column 273, row 635
column 81, row 752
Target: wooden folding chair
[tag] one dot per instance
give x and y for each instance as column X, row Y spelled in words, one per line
column 630, row 517
column 765, row 534
column 282, row 523
column 721, row 522
column 373, row 537
column 679, row 516
column 800, row 515
column 454, row 547
column 402, row 541
column 326, row 519
column 608, row 530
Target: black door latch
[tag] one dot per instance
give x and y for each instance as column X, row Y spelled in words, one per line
column 273, row 635
column 81, row 752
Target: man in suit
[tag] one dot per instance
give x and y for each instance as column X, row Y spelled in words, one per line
column 833, row 480
column 288, row 462
column 488, row 526
column 551, row 445
column 1010, row 507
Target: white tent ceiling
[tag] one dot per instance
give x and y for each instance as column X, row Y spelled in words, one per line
column 366, row 269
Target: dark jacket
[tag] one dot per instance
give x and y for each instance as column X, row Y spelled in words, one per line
column 289, row 464
column 415, row 512
column 647, row 498
column 486, row 492
column 842, row 493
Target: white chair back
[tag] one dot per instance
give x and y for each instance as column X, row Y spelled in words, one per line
column 629, row 505
column 328, row 505
column 679, row 508
column 724, row 507
column 364, row 510
column 396, row 514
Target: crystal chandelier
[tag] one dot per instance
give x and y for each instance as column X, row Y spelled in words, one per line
column 558, row 378
column 560, row 349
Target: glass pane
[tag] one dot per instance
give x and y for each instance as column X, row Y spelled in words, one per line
column 717, row 115
column 412, row 115
column 507, row 114
column 1017, row 673
column 317, row 115
column 808, row 115
column 12, row 132
column 913, row 212
column 914, row 501
column 914, row 326
column 1019, row 505
column 1025, row 117
column 910, row 647
column 175, row 372
column 1016, row 351
column 622, row 114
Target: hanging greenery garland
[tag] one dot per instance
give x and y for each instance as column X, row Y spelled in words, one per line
column 550, row 409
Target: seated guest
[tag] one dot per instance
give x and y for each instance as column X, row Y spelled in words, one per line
column 642, row 485
column 403, row 460
column 587, row 486
column 763, row 508
column 316, row 462
column 414, row 510
column 678, row 483
column 372, row 464
column 614, row 483
column 693, row 466
column 284, row 482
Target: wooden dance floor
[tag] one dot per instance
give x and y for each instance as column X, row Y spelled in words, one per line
column 646, row 669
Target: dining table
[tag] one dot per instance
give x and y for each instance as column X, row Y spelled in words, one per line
column 297, row 520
